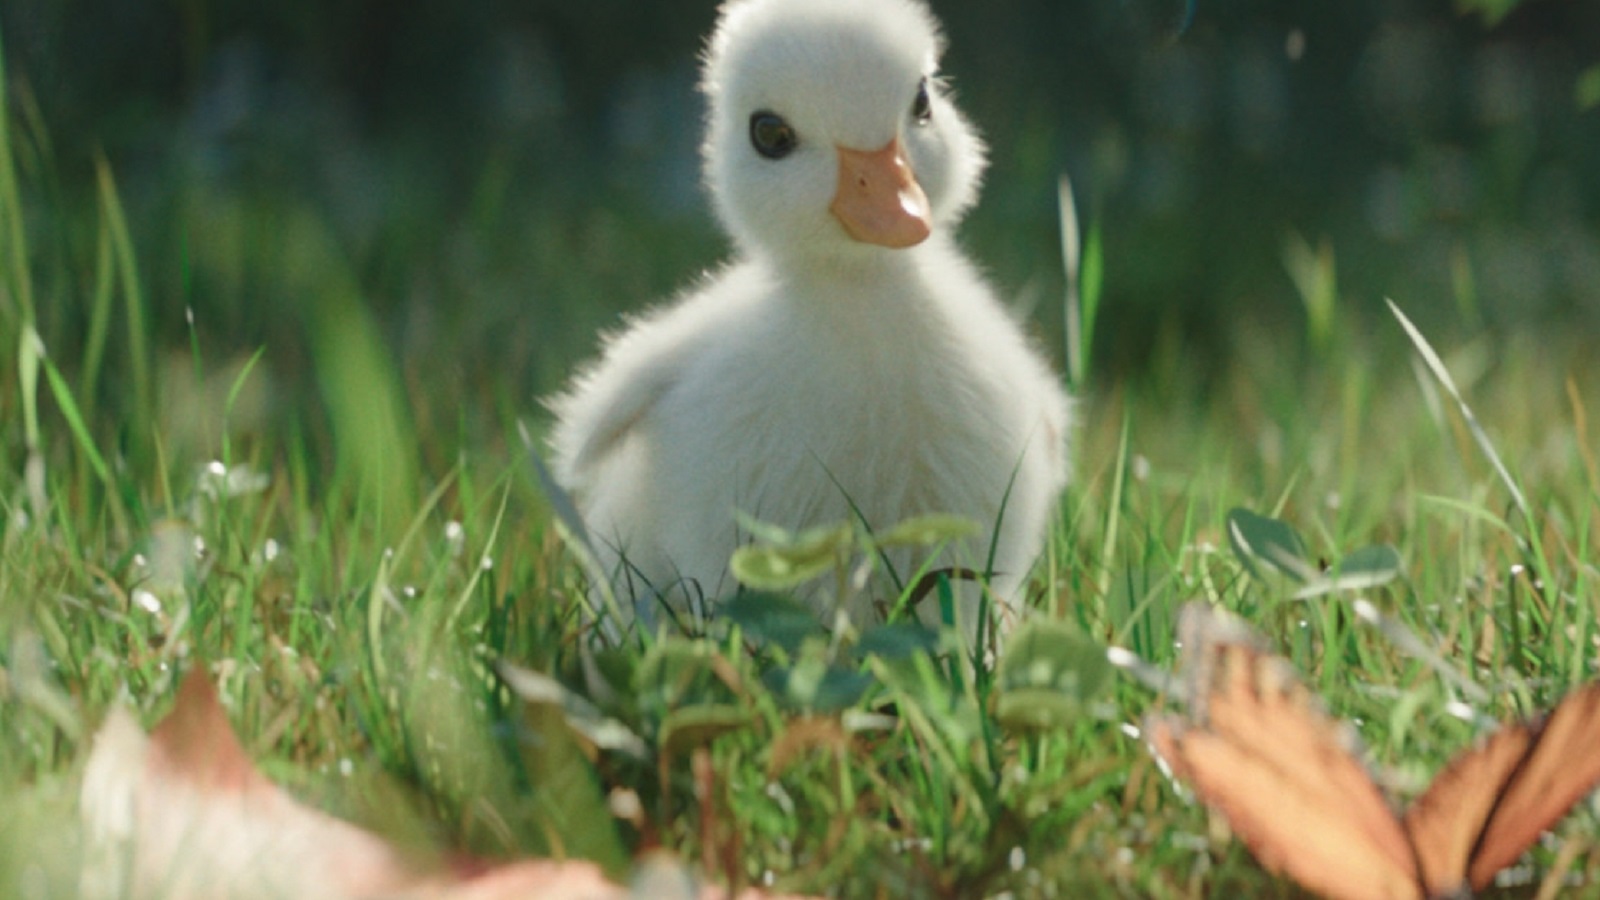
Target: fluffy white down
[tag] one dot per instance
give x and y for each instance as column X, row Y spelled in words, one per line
column 816, row 372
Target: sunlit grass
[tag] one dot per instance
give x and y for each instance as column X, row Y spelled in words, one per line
column 357, row 569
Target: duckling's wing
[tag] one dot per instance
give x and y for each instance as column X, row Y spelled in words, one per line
column 639, row 367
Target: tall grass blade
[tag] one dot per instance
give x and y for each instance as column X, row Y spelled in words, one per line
column 29, row 353
column 127, row 270
column 19, row 284
column 233, row 399
column 375, row 442
column 75, row 421
column 471, row 587
column 1081, row 258
column 1316, row 281
column 94, row 344
column 1108, row 546
column 1436, row 366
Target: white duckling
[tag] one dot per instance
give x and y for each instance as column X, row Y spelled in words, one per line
column 849, row 362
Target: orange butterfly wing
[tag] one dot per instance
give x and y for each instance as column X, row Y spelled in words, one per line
column 1562, row 767
column 1283, row 819
column 1258, row 746
column 1447, row 820
column 1262, row 751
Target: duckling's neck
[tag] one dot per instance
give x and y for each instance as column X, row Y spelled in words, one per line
column 871, row 289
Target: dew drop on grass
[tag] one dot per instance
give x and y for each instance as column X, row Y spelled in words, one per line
column 346, row 767
column 1141, row 467
column 486, row 563
column 270, row 550
column 1121, row 657
column 1131, row 730
column 1017, row 859
column 147, row 601
column 1460, row 710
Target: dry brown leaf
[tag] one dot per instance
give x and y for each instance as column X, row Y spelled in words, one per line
column 184, row 813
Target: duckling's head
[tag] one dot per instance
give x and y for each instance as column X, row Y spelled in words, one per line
column 830, row 132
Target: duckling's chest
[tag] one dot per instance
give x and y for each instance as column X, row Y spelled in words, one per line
column 899, row 414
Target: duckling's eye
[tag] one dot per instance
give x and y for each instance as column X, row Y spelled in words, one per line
column 771, row 135
column 922, row 107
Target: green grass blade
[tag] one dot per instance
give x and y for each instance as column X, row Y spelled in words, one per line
column 1437, row 367
column 127, row 270
column 16, row 238
column 1082, row 261
column 100, row 307
column 1108, row 545
column 75, row 421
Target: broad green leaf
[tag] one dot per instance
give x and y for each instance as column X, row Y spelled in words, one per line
column 573, row 804
column 679, row 672
column 898, row 641
column 1259, row 541
column 817, row 687
column 772, row 618
column 1365, row 568
column 1376, row 564
column 1049, row 670
column 695, row 726
column 581, row 715
column 926, row 531
column 778, row 567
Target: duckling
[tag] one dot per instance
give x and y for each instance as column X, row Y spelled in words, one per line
column 849, row 362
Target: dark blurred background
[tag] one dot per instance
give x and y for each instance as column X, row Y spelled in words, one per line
column 504, row 178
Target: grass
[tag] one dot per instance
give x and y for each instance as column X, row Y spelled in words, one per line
column 357, row 571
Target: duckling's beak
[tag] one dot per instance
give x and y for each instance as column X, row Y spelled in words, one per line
column 878, row 200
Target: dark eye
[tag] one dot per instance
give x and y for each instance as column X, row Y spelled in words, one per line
column 922, row 107
column 771, row 135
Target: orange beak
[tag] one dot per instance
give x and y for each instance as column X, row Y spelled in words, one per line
column 878, row 200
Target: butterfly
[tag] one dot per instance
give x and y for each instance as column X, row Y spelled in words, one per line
column 1258, row 747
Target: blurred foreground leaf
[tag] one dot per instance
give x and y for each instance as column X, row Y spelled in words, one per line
column 772, row 618
column 1049, row 672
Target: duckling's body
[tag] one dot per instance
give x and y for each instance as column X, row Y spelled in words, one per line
column 850, row 362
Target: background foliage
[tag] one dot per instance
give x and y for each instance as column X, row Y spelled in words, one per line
column 479, row 163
